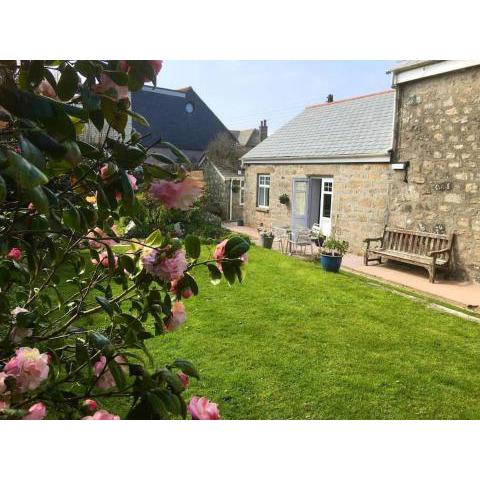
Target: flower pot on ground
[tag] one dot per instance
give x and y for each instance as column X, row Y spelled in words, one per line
column 332, row 253
column 240, row 223
column 266, row 239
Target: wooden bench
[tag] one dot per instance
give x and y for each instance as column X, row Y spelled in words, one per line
column 431, row 251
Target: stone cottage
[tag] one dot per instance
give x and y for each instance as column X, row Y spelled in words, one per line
column 333, row 163
column 437, row 137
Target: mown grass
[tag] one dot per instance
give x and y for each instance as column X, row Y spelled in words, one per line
column 294, row 342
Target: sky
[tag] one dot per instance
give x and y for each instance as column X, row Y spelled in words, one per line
column 242, row 93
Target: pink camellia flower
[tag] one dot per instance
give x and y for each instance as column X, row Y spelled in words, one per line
column 133, row 182
column 184, row 378
column 106, row 171
column 31, row 207
column 202, row 409
column 166, row 268
column 106, row 83
column 185, row 292
column 3, row 387
column 97, row 232
column 181, row 194
column 90, row 405
column 104, row 376
column 176, row 318
column 29, row 367
column 14, row 254
column 103, row 259
column 45, row 89
column 101, row 415
column 219, row 253
column 37, row 411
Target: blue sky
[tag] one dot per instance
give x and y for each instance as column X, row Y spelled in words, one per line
column 241, row 93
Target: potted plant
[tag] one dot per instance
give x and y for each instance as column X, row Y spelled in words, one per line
column 266, row 239
column 240, row 222
column 333, row 251
column 318, row 238
column 284, row 199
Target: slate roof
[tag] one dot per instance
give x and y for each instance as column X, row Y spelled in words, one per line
column 247, row 138
column 360, row 126
column 169, row 120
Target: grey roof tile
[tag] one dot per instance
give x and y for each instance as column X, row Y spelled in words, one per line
column 352, row 127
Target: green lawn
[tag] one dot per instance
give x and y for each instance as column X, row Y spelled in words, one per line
column 295, row 342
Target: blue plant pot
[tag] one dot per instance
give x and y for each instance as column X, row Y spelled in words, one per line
column 330, row 263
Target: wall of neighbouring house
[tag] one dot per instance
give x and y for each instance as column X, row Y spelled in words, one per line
column 439, row 134
column 359, row 197
column 217, row 190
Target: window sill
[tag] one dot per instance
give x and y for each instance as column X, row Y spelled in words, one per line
column 263, row 209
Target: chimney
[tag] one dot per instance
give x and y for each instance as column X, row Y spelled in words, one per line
column 330, row 98
column 263, row 130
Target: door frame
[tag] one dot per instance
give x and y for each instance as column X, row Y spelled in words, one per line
column 322, row 193
column 305, row 179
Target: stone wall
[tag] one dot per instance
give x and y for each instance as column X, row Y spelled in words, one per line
column 439, row 134
column 217, row 191
column 359, row 197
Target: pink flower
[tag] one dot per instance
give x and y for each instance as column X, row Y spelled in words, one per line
column 107, row 85
column 106, row 171
column 3, row 405
column 176, row 318
column 181, row 194
column 101, row 415
column 202, row 409
column 219, row 254
column 100, row 234
column 184, row 378
column 90, row 405
column 3, row 387
column 31, row 207
column 29, row 367
column 133, row 183
column 103, row 259
column 175, row 288
column 104, row 376
column 36, row 412
column 167, row 268
column 45, row 89
column 15, row 254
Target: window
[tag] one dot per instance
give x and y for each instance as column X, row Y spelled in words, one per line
column 242, row 192
column 300, row 197
column 263, row 191
column 189, row 107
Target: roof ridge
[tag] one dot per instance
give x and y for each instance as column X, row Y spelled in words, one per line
column 350, row 98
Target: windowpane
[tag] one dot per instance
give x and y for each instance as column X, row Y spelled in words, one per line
column 263, row 193
column 327, row 206
column 300, row 202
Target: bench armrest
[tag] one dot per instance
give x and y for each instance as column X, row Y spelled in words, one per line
column 376, row 239
column 434, row 253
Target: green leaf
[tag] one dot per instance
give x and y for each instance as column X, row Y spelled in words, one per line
column 38, row 197
column 115, row 117
column 127, row 190
column 120, row 78
column 3, row 190
column 187, row 367
column 156, row 404
column 23, row 172
column 154, row 239
column 68, row 83
column 99, row 340
column 82, row 356
column 215, row 274
column 86, row 68
column 138, row 118
column 117, row 374
column 192, row 246
column 105, row 304
column 98, row 119
column 172, row 379
column 32, row 153
column 128, row 263
column 236, row 247
column 36, row 72
column 71, row 219
column 126, row 156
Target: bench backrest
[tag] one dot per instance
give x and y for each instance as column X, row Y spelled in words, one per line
column 419, row 243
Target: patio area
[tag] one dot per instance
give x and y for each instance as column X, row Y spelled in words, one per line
column 463, row 294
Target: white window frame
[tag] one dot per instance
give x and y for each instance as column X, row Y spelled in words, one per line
column 265, row 186
column 241, row 200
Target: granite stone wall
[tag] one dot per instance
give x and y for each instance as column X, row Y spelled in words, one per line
column 439, row 135
column 359, row 197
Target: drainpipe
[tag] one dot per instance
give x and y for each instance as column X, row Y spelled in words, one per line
column 231, row 199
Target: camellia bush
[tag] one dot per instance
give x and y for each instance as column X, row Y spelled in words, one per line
column 78, row 301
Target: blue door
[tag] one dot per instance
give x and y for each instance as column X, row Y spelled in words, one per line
column 300, row 203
